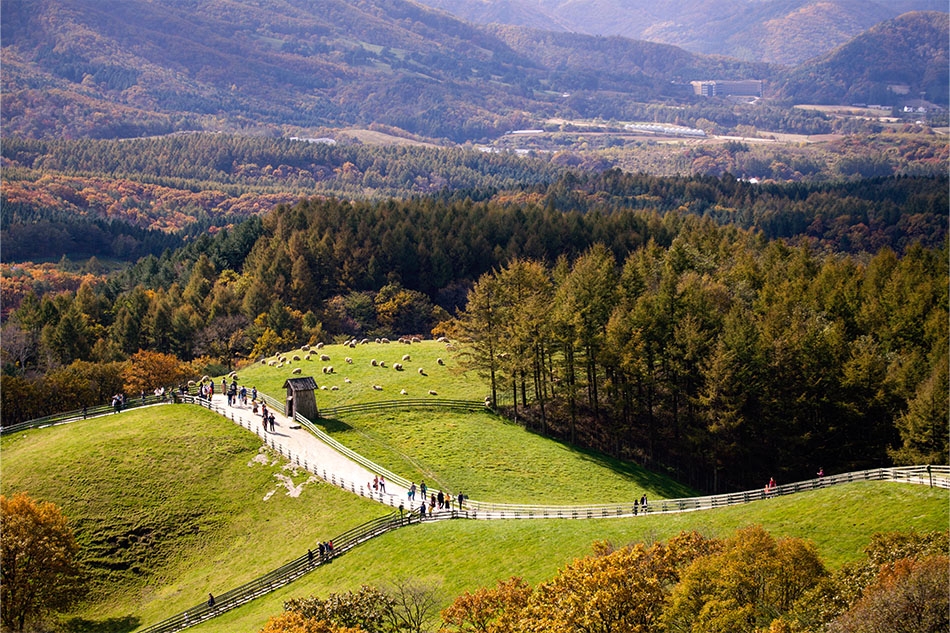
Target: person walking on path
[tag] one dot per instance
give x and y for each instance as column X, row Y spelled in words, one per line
column 211, row 600
column 422, row 490
column 412, row 492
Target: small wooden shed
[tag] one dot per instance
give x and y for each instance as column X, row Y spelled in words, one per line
column 301, row 398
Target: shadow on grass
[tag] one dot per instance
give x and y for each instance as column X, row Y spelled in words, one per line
column 332, row 425
column 109, row 625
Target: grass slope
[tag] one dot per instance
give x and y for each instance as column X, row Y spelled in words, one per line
column 463, row 555
column 172, row 502
column 480, row 454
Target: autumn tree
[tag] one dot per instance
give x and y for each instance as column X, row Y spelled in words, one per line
column 489, row 610
column 39, row 573
column 751, row 582
column 908, row 596
column 295, row 622
column 147, row 371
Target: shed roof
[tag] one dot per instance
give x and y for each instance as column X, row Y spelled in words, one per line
column 306, row 383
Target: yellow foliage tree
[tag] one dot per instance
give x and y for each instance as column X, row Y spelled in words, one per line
column 38, row 569
column 147, row 371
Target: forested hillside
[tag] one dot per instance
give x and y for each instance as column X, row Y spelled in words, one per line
column 818, row 299
column 909, row 52
column 74, row 68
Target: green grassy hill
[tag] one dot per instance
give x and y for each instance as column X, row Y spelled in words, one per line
column 172, row 502
column 463, row 555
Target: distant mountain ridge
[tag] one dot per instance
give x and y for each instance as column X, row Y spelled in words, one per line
column 133, row 67
column 125, row 68
column 775, row 31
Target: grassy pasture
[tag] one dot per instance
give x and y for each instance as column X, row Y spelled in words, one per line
column 449, row 381
column 464, row 555
column 481, row 454
column 172, row 502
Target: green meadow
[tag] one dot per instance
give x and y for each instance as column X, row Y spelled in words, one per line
column 173, row 502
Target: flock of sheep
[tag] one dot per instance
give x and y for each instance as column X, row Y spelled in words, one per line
column 316, row 351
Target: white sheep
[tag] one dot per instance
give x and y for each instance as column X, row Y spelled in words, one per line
column 422, row 372
column 397, row 366
column 377, row 388
column 319, row 346
column 378, row 340
column 404, row 392
column 305, row 348
column 365, row 341
column 347, row 380
column 323, row 388
column 349, row 361
column 296, row 358
column 415, row 339
column 385, row 341
column 263, row 361
column 296, row 370
column 334, row 388
column 382, row 363
column 442, row 339
column 374, row 362
column 406, row 357
column 271, row 363
column 324, row 357
column 432, row 392
column 440, row 361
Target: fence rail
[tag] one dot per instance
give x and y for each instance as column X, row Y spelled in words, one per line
column 934, row 476
column 291, row 571
column 82, row 414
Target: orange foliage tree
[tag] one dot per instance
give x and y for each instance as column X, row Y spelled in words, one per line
column 147, row 371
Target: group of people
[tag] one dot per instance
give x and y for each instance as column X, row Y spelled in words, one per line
column 378, row 485
column 324, row 549
column 440, row 500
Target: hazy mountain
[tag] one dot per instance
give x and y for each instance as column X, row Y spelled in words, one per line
column 132, row 67
column 779, row 31
column 899, row 59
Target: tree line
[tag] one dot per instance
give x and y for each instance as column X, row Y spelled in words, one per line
column 724, row 357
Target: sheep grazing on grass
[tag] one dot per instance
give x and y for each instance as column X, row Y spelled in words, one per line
column 263, row 361
column 406, row 357
column 296, row 358
column 440, row 361
column 305, row 348
column 432, row 392
column 422, row 372
column 365, row 341
column 324, row 357
column 404, row 392
column 334, row 388
column 318, row 346
column 347, row 380
column 323, row 388
column 271, row 363
column 296, row 370
column 374, row 362
column 377, row 388
column 378, row 340
column 382, row 363
column 415, row 339
column 385, row 341
column 349, row 361
column 442, row 339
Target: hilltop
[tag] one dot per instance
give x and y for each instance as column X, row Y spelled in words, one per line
column 785, row 32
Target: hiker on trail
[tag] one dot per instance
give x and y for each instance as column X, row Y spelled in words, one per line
column 422, row 489
column 412, row 492
column 376, row 482
column 329, row 548
column 422, row 510
column 310, row 556
column 273, row 423
column 84, row 411
column 441, row 499
column 322, row 549
column 636, row 507
column 432, row 502
column 643, row 502
column 382, row 484
column 461, row 500
column 253, row 393
column 210, row 600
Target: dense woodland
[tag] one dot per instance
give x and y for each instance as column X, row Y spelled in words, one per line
column 651, row 300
